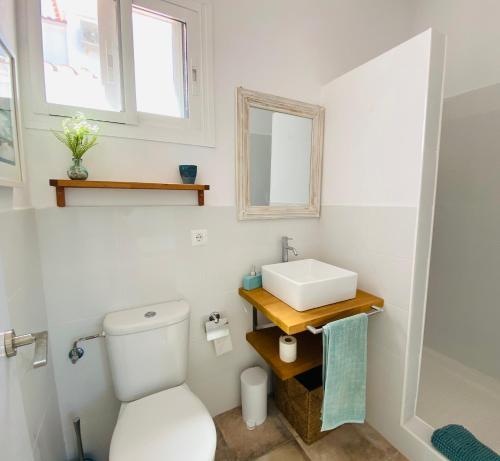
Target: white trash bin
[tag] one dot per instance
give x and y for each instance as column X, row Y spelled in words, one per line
column 254, row 396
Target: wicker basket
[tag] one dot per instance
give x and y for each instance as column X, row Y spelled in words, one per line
column 300, row 399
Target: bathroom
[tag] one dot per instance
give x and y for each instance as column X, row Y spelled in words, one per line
column 395, row 96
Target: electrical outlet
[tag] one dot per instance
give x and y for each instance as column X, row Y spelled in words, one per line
column 199, row 237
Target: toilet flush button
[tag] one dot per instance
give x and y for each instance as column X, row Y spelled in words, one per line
column 149, row 314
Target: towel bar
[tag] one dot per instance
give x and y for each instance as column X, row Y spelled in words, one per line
column 317, row 331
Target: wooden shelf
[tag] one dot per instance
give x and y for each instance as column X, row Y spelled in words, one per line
column 309, row 351
column 62, row 184
column 292, row 321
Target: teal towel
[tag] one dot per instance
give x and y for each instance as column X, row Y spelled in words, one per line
column 458, row 444
column 344, row 371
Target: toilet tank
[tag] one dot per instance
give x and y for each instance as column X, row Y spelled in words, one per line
column 147, row 348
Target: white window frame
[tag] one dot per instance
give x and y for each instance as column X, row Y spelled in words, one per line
column 12, row 175
column 198, row 129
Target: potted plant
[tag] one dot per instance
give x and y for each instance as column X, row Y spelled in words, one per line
column 79, row 136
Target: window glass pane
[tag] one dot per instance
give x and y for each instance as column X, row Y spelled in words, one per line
column 5, row 77
column 80, row 52
column 7, row 149
column 159, row 55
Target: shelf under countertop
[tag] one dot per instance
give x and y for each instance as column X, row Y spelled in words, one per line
column 309, row 351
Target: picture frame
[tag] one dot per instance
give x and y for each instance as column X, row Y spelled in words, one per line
column 10, row 151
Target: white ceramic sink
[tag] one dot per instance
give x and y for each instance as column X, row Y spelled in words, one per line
column 308, row 283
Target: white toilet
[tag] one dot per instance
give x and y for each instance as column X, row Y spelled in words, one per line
column 160, row 418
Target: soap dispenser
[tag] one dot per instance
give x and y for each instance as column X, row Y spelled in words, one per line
column 252, row 281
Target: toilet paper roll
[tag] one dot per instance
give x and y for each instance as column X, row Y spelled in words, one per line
column 223, row 345
column 288, row 349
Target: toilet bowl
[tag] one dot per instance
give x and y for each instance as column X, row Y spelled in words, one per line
column 171, row 425
column 160, row 418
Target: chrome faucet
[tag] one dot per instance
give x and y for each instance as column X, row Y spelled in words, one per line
column 285, row 248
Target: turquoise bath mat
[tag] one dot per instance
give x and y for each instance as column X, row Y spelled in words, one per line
column 458, row 444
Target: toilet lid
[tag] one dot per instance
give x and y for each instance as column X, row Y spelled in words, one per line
column 167, row 426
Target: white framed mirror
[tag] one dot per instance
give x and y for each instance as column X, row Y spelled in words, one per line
column 10, row 168
column 279, row 156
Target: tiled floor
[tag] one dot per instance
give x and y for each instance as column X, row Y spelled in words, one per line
column 275, row 440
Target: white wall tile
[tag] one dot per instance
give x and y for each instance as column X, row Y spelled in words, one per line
column 389, row 329
column 126, row 256
column 348, row 241
column 208, row 277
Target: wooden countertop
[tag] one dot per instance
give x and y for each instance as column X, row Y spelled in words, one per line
column 292, row 321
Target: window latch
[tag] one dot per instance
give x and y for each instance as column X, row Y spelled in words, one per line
column 195, row 86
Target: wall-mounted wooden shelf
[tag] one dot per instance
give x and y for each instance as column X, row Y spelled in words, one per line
column 292, row 321
column 62, row 184
column 309, row 351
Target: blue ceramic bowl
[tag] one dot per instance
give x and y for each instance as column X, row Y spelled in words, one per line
column 188, row 173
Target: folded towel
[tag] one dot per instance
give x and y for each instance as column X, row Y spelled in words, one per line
column 344, row 371
column 458, row 444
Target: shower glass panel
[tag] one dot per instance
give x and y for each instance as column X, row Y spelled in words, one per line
column 460, row 374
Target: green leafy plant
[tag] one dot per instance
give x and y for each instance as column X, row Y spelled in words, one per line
column 78, row 135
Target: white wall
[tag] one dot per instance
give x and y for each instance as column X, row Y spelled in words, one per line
column 98, row 259
column 381, row 121
column 361, row 140
column 285, row 47
column 472, row 40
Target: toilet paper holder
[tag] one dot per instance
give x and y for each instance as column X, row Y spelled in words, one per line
column 214, row 317
column 216, row 327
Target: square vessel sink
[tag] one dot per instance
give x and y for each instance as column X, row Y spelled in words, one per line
column 308, row 283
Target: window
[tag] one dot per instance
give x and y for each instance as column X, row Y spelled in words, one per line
column 80, row 53
column 145, row 64
column 160, row 63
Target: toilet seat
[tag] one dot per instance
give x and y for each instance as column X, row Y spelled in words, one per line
column 170, row 425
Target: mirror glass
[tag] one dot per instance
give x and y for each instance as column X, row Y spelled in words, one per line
column 280, row 158
column 7, row 122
